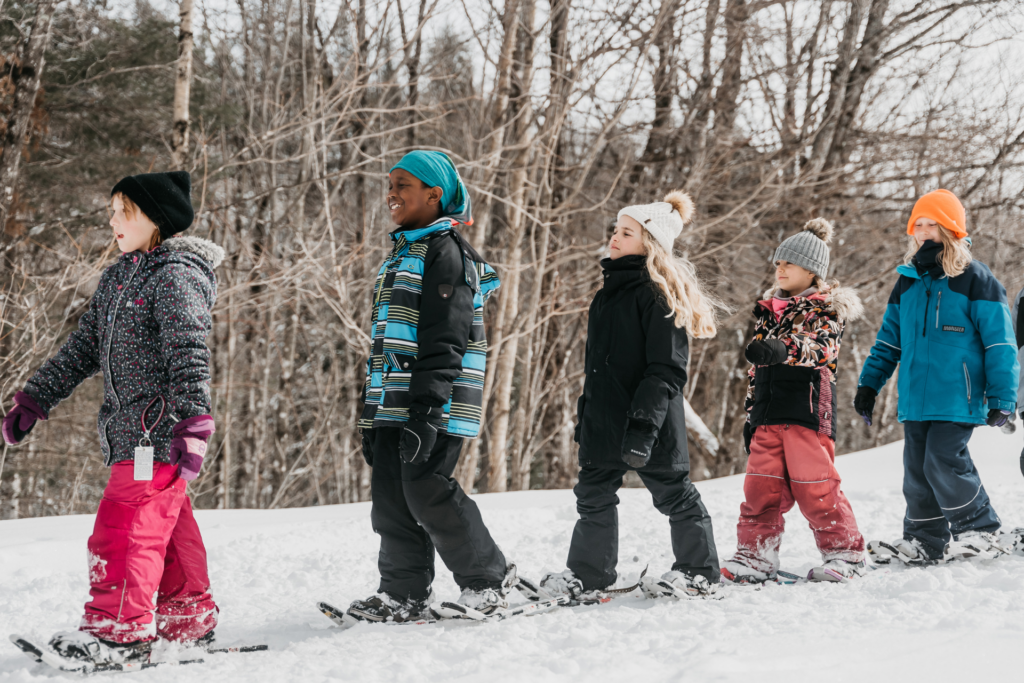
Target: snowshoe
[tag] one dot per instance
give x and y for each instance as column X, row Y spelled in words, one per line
column 746, row 568
column 971, row 545
column 85, row 649
column 554, row 584
column 387, row 607
column 838, row 571
column 682, row 586
column 1012, row 540
column 910, row 552
column 477, row 603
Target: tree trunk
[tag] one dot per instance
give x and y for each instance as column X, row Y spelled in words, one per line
column 25, row 77
column 182, row 88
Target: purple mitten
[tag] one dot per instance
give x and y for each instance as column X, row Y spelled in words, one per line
column 22, row 418
column 189, row 445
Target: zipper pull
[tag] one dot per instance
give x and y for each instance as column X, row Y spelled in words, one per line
column 937, row 303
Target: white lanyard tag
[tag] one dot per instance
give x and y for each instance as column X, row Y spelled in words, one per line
column 143, row 463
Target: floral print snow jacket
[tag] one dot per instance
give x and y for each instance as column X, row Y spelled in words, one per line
column 145, row 330
column 801, row 389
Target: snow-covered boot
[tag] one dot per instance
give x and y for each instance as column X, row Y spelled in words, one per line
column 79, row 646
column 680, row 585
column 911, row 552
column 745, row 567
column 489, row 599
column 970, row 545
column 1013, row 540
column 554, row 584
column 838, row 571
column 387, row 607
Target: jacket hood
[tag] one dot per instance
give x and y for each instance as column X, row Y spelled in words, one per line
column 203, row 248
column 843, row 300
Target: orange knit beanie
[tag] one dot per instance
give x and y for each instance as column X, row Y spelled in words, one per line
column 944, row 208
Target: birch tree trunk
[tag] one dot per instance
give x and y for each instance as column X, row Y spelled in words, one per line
column 182, row 88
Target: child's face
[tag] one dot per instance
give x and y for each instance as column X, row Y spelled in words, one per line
column 132, row 234
column 412, row 203
column 926, row 229
column 627, row 239
column 792, row 278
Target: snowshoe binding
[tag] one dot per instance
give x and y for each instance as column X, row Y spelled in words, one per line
column 746, row 568
column 681, row 586
column 480, row 603
column 385, row 607
column 910, row 552
column 838, row 571
column 971, row 545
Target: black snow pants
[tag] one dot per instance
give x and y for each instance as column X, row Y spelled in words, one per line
column 419, row 507
column 594, row 551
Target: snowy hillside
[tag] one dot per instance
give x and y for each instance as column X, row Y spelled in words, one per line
column 958, row 622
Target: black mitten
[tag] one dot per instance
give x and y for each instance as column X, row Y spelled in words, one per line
column 639, row 441
column 767, row 352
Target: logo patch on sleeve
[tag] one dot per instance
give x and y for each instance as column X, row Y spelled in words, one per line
column 952, row 328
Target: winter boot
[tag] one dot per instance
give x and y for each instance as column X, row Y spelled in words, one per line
column 974, row 544
column 90, row 651
column 554, row 585
column 838, row 571
column 680, row 585
column 910, row 552
column 745, row 567
column 489, row 599
column 1013, row 540
column 387, row 607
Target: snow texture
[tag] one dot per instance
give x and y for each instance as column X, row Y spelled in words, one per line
column 955, row 622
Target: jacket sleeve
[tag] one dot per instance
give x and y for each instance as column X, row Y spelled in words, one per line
column 182, row 310
column 886, row 351
column 1018, row 329
column 667, row 352
column 76, row 361
column 443, row 326
column 992, row 319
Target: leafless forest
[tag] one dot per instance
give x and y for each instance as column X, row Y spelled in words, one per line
column 288, row 113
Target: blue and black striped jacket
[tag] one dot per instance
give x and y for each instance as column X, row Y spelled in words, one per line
column 428, row 344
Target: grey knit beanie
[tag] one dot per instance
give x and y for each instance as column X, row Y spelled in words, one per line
column 808, row 248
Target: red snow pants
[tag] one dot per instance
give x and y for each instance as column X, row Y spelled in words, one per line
column 146, row 541
column 787, row 464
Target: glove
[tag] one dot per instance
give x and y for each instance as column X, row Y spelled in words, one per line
column 1022, row 462
column 639, row 441
column 367, row 447
column 864, row 403
column 188, row 446
column 767, row 352
column 22, row 418
column 997, row 417
column 576, row 432
column 419, row 434
column 748, row 436
column 580, row 403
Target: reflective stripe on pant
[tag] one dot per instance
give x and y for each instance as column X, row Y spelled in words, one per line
column 594, row 550
column 792, row 464
column 146, row 541
column 941, row 485
column 419, row 507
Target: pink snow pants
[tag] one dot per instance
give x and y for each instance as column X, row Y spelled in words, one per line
column 146, row 541
column 787, row 464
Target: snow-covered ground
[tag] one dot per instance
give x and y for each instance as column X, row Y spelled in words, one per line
column 957, row 622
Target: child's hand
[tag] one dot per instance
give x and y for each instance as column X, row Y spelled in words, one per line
column 748, row 436
column 22, row 418
column 638, row 442
column 189, row 445
column 419, row 434
column 767, row 352
column 864, row 403
column 997, row 417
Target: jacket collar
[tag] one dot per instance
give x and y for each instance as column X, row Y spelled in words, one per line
column 401, row 237
column 624, row 270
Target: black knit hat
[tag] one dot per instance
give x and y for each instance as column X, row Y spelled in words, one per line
column 165, row 198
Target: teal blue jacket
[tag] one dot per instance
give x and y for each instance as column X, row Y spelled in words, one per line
column 953, row 341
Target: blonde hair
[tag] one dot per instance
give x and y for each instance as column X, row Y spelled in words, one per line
column 687, row 299
column 955, row 257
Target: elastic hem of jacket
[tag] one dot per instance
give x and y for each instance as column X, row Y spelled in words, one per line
column 796, row 423
column 972, row 419
column 398, row 424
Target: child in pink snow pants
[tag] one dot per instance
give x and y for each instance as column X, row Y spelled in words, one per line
column 790, row 429
column 145, row 330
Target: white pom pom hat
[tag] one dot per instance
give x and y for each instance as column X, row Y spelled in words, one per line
column 664, row 220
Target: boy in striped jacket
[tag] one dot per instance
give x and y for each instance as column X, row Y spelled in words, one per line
column 423, row 392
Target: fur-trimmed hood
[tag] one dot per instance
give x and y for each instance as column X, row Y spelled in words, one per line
column 203, row 248
column 843, row 300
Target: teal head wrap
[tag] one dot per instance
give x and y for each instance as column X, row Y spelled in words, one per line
column 435, row 169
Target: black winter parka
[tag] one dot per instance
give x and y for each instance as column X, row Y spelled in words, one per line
column 636, row 368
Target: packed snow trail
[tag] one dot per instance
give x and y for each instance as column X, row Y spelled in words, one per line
column 270, row 568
